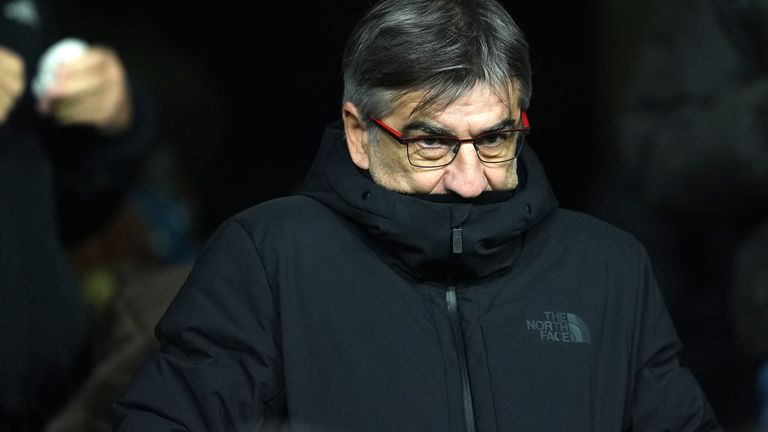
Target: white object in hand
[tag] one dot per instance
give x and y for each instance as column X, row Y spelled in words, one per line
column 59, row 53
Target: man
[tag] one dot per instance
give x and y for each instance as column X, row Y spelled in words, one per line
column 425, row 279
column 67, row 160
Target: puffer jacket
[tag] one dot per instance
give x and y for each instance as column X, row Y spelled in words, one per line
column 350, row 307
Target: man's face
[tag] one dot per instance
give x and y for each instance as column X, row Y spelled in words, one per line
column 478, row 111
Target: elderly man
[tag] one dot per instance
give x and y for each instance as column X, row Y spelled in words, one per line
column 425, row 279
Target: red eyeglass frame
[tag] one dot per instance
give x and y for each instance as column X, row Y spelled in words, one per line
column 402, row 140
column 397, row 136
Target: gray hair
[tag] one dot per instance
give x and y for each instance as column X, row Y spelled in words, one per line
column 441, row 47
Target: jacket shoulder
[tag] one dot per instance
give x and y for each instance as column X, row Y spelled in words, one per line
column 576, row 229
column 282, row 211
column 290, row 218
column 592, row 226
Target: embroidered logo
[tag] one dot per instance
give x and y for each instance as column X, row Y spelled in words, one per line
column 561, row 327
column 22, row 11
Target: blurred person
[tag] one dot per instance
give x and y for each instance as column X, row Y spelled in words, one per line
column 424, row 278
column 66, row 160
column 693, row 186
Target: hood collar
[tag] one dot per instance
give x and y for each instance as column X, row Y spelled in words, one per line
column 423, row 237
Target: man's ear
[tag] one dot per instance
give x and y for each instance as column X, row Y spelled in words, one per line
column 357, row 137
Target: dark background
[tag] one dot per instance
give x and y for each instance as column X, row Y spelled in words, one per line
column 245, row 91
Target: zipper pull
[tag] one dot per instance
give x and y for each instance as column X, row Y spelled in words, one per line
column 450, row 299
column 456, row 240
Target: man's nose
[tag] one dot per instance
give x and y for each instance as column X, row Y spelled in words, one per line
column 465, row 176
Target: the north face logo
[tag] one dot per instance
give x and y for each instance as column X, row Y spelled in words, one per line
column 560, row 327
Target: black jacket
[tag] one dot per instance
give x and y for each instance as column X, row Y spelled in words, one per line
column 355, row 308
column 57, row 186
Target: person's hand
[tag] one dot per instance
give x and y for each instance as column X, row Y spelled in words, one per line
column 11, row 81
column 91, row 90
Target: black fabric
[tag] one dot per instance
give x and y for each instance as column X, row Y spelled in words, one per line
column 692, row 183
column 94, row 173
column 44, row 323
column 327, row 311
column 405, row 226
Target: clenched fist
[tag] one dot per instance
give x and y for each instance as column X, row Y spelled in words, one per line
column 91, row 90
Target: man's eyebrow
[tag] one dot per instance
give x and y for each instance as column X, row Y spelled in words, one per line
column 425, row 127
column 507, row 123
column 433, row 129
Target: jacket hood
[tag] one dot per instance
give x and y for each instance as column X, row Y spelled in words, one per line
column 423, row 237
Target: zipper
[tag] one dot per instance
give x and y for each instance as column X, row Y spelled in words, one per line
column 458, row 337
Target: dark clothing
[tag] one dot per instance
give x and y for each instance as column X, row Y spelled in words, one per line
column 55, row 184
column 692, row 184
column 122, row 338
column 355, row 308
column 694, row 141
column 695, row 131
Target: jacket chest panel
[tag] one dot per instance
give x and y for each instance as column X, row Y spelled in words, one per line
column 553, row 347
column 366, row 346
column 535, row 342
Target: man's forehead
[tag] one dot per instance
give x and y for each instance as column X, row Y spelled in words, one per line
column 481, row 108
column 410, row 106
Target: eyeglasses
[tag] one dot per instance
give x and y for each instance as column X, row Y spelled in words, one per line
column 434, row 151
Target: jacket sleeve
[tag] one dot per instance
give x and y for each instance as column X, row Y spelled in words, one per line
column 666, row 396
column 95, row 172
column 694, row 133
column 219, row 366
